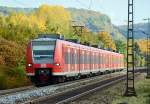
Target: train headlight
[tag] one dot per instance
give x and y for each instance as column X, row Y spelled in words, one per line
column 57, row 64
column 29, row 65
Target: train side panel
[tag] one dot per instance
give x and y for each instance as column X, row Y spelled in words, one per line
column 29, row 62
column 58, row 66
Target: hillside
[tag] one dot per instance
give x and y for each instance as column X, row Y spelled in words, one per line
column 138, row 30
column 95, row 21
column 8, row 10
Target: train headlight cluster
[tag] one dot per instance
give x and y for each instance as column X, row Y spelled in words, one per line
column 29, row 65
column 57, row 64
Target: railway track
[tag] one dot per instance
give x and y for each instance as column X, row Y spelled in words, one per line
column 75, row 93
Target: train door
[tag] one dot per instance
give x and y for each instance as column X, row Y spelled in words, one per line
column 107, row 60
column 92, row 61
column 113, row 61
column 110, row 61
column 67, row 59
column 119, row 61
column 102, row 61
column 88, row 61
column 85, row 59
column 97, row 61
column 122, row 61
column 74, row 60
column 81, row 61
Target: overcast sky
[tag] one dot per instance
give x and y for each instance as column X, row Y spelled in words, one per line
column 115, row 9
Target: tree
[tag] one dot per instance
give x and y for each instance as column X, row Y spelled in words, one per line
column 106, row 38
column 56, row 18
column 120, row 46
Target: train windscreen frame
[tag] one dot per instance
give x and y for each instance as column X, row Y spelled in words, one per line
column 43, row 51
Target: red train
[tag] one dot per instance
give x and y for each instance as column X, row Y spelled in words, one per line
column 51, row 58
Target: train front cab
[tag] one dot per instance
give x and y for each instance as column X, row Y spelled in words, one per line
column 42, row 60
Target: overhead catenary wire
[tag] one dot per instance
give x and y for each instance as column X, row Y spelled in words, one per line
column 90, row 5
column 85, row 6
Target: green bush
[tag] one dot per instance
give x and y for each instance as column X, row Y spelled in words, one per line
column 3, row 82
column 12, row 77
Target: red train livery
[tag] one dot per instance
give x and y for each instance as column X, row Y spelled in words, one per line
column 52, row 58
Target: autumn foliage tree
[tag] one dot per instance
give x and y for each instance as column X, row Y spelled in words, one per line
column 56, row 18
column 142, row 45
column 106, row 38
column 10, row 53
column 21, row 27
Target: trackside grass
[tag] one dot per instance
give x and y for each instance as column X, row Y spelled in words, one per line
column 143, row 94
column 12, row 77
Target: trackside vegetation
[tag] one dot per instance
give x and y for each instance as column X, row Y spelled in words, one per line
column 143, row 94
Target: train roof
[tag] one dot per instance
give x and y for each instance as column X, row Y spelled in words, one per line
column 87, row 47
column 48, row 37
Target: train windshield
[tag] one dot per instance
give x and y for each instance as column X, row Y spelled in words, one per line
column 43, row 51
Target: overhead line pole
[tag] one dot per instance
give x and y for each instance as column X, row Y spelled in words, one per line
column 130, row 88
column 148, row 49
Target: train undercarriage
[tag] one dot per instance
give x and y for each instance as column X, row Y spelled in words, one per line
column 44, row 77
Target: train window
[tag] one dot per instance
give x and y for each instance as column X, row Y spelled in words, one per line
column 82, row 58
column 105, row 59
column 96, row 61
column 92, row 58
column 97, row 58
column 88, row 59
column 75, row 57
column 100, row 58
column 85, row 58
column 43, row 51
column 112, row 59
column 67, row 57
